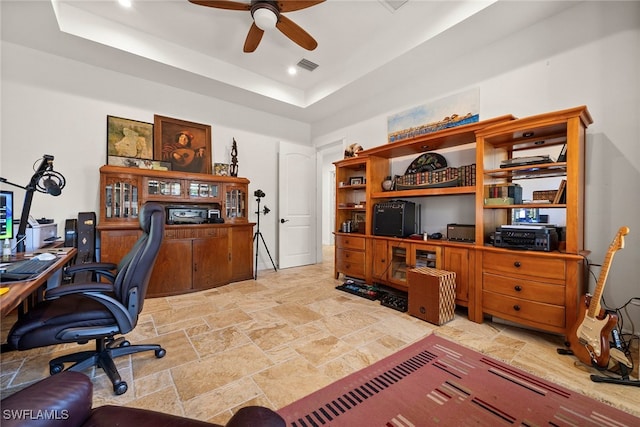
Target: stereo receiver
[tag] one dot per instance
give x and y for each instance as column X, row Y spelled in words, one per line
column 187, row 215
column 529, row 237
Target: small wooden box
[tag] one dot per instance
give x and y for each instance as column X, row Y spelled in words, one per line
column 432, row 294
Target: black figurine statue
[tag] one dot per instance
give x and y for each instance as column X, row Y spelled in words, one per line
column 233, row 170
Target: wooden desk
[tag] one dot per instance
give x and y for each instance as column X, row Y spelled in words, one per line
column 20, row 291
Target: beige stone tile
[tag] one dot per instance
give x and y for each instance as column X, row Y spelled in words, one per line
column 205, row 375
column 208, row 405
column 179, row 352
column 282, row 388
column 212, row 342
column 322, row 349
column 347, row 322
column 164, row 400
column 296, row 314
column 270, row 336
column 152, row 383
column 223, row 319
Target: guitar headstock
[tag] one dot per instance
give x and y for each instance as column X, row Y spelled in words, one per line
column 618, row 241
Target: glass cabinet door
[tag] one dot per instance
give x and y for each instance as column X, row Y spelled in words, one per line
column 164, row 187
column 121, row 199
column 398, row 265
column 203, row 190
column 235, row 203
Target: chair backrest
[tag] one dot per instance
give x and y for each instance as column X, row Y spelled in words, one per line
column 135, row 269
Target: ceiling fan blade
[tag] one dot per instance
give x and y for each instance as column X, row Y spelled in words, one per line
column 295, row 33
column 223, row 4
column 253, row 38
column 291, row 5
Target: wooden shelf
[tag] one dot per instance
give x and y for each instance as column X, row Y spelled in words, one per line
column 423, row 192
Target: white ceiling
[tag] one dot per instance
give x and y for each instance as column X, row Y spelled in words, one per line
column 362, row 44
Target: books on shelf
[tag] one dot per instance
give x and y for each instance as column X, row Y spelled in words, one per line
column 560, row 195
column 462, row 176
column 502, row 191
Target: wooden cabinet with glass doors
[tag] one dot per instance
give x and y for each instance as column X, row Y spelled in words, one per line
column 193, row 256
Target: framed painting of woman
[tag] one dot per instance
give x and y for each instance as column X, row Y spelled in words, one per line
column 186, row 145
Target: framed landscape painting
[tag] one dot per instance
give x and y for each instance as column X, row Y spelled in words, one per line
column 185, row 145
column 129, row 138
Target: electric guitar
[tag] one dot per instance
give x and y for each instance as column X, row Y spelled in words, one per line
column 589, row 336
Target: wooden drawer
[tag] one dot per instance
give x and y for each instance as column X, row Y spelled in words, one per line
column 350, row 263
column 525, row 264
column 525, row 289
column 523, row 311
column 350, row 242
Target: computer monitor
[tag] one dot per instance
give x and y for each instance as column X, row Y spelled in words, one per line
column 6, row 215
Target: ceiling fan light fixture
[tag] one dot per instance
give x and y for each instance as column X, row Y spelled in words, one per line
column 265, row 18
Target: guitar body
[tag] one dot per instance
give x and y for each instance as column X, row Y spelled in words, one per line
column 589, row 337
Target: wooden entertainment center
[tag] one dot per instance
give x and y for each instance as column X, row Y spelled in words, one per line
column 193, row 256
column 535, row 288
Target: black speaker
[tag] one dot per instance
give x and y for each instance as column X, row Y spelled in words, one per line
column 86, row 237
column 396, row 218
column 71, row 233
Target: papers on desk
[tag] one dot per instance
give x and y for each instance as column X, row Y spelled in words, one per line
column 57, row 251
column 4, row 291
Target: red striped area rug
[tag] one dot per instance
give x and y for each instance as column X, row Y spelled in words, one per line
column 436, row 382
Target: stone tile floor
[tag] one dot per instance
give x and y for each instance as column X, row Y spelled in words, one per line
column 276, row 339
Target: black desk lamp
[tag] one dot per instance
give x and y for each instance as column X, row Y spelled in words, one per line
column 44, row 180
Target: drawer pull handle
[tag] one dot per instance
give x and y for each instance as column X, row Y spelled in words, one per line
column 516, row 307
column 518, row 288
column 517, row 264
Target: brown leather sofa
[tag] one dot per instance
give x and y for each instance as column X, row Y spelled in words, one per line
column 65, row 400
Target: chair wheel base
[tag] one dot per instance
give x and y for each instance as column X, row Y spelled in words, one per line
column 56, row 369
column 120, row 388
column 160, row 353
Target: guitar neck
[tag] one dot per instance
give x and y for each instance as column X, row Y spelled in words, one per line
column 618, row 243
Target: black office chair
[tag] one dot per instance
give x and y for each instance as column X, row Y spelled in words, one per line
column 80, row 312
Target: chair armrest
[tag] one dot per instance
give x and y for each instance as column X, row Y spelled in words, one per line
column 105, row 269
column 65, row 398
column 78, row 288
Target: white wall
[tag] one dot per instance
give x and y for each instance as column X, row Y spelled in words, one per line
column 588, row 55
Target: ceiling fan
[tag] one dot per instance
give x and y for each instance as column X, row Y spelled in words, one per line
column 267, row 14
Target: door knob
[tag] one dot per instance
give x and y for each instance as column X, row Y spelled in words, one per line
column 282, row 220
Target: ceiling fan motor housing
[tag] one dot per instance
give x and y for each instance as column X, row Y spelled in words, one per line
column 265, row 13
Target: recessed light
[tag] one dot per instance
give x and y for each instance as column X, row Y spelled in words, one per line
column 292, row 71
column 125, row 3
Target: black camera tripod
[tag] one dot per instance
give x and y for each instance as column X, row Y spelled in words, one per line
column 258, row 235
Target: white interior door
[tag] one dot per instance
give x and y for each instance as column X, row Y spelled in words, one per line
column 297, row 205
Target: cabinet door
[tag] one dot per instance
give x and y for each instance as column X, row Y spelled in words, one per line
column 211, row 265
column 399, row 263
column 235, row 203
column 115, row 244
column 241, row 249
column 120, row 198
column 379, row 259
column 458, row 261
column 423, row 255
column 172, row 272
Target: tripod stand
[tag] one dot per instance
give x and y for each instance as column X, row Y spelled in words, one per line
column 258, row 236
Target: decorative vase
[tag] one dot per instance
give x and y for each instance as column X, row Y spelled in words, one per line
column 387, row 184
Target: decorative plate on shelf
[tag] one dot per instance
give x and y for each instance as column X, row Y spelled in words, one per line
column 426, row 162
